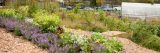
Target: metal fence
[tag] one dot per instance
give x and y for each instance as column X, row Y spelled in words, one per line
column 140, row 10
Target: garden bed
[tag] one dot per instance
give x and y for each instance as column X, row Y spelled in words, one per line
column 51, row 41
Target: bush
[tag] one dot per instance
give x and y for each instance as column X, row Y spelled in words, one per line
column 32, row 9
column 77, row 8
column 46, row 21
column 66, row 38
column 17, row 32
column 111, row 46
column 146, row 35
column 22, row 12
column 98, row 38
column 7, row 12
column 19, row 13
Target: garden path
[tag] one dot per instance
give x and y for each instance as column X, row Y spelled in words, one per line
column 10, row 43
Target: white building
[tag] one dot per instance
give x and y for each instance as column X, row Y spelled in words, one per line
column 140, row 10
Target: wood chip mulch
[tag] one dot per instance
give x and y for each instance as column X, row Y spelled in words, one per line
column 10, row 43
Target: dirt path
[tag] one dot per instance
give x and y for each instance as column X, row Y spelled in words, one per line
column 128, row 45
column 131, row 47
column 9, row 43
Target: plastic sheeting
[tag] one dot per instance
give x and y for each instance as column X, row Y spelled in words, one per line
column 140, row 10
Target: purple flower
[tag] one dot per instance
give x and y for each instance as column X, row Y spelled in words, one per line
column 52, row 49
column 10, row 24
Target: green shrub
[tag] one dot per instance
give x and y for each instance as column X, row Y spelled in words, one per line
column 71, row 39
column 111, row 46
column 22, row 12
column 19, row 16
column 83, row 41
column 153, row 42
column 146, row 35
column 7, row 12
column 32, row 10
column 17, row 32
column 77, row 8
column 46, row 21
column 98, row 38
column 66, row 38
column 44, row 46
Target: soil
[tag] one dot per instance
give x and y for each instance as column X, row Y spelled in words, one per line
column 10, row 43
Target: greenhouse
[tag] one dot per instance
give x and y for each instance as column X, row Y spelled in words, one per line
column 140, row 10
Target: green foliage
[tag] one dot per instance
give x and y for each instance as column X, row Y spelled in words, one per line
column 7, row 12
column 85, row 42
column 19, row 13
column 17, row 32
column 32, row 9
column 22, row 12
column 146, row 35
column 44, row 46
column 85, row 20
column 77, row 8
column 82, row 41
column 46, row 21
column 98, row 38
column 111, row 46
column 153, row 42
column 66, row 38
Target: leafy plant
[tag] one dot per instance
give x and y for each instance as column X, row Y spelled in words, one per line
column 77, row 8
column 22, row 12
column 98, row 38
column 111, row 46
column 7, row 12
column 17, row 32
column 46, row 21
column 66, row 38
